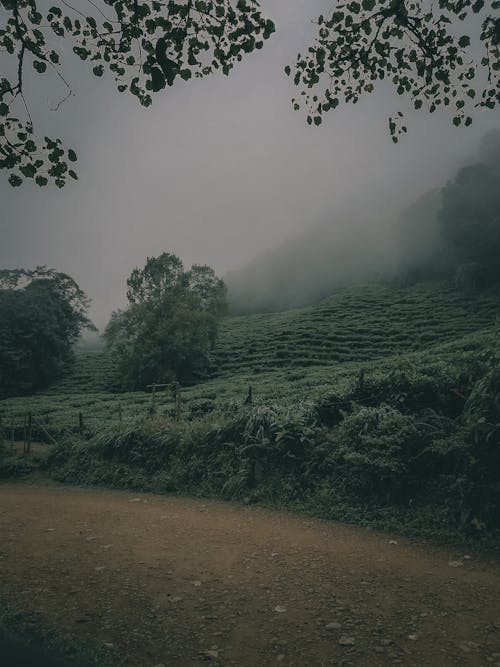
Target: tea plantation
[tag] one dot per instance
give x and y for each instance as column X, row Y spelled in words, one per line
column 286, row 357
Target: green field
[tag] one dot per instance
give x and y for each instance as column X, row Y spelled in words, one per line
column 356, row 324
column 289, row 357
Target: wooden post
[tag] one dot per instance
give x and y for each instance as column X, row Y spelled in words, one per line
column 120, row 413
column 28, row 442
column 249, row 398
column 1, row 432
column 80, row 423
column 153, row 403
column 154, row 387
column 25, row 433
column 11, row 435
column 177, row 403
column 361, row 380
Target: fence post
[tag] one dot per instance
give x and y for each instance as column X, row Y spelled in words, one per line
column 11, row 435
column 1, row 432
column 177, row 403
column 361, row 380
column 25, row 428
column 28, row 443
column 249, row 398
column 153, row 399
column 80, row 423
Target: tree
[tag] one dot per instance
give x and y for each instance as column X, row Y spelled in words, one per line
column 42, row 314
column 146, row 45
column 415, row 45
column 170, row 325
column 470, row 214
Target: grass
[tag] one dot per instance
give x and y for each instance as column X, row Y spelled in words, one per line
column 289, row 357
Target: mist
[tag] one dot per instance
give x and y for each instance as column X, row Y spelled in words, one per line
column 368, row 240
column 222, row 170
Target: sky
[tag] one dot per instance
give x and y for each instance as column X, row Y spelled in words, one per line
column 217, row 171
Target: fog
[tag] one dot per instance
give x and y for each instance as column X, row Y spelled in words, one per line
column 222, row 170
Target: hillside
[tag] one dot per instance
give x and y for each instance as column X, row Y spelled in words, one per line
column 295, row 355
column 360, row 323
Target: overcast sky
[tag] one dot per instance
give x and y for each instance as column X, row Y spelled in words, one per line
column 216, row 171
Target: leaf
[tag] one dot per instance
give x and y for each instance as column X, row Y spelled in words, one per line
column 170, row 67
column 157, row 79
column 15, row 180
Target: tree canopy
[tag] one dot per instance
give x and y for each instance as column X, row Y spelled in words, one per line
column 42, row 313
column 170, row 324
column 418, row 46
column 146, row 45
column 425, row 50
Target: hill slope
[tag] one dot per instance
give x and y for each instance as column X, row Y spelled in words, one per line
column 360, row 323
column 292, row 356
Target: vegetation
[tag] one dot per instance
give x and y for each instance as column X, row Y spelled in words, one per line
column 144, row 45
column 416, row 47
column 42, row 314
column 398, row 447
column 298, row 355
column 148, row 45
column 471, row 218
column 381, row 408
column 170, row 325
column 449, row 230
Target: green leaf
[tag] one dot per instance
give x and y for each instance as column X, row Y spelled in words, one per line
column 157, row 79
column 15, row 180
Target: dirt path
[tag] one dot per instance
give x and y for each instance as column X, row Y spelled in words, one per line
column 178, row 582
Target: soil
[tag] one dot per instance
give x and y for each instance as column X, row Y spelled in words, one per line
column 177, row 582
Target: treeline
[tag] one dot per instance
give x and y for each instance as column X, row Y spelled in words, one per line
column 164, row 335
column 455, row 230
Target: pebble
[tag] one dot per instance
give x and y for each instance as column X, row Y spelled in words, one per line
column 333, row 626
column 346, row 641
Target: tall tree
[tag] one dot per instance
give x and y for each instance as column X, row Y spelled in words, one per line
column 170, row 325
column 42, row 314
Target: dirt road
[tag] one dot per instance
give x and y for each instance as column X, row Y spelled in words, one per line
column 177, row 582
